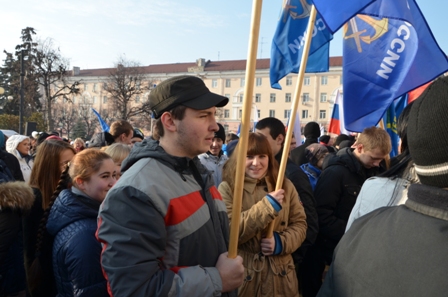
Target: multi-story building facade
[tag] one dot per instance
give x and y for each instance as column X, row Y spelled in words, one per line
column 227, row 78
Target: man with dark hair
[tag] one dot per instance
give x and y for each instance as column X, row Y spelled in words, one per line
column 401, row 251
column 335, row 194
column 214, row 159
column 311, row 133
column 274, row 130
column 164, row 226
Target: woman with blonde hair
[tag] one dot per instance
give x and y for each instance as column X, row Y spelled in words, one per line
column 79, row 144
column 118, row 152
column 72, row 222
column 268, row 264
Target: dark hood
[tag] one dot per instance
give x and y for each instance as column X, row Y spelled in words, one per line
column 69, row 208
column 312, row 130
column 150, row 148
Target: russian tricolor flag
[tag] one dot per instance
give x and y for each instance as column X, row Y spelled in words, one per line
column 337, row 117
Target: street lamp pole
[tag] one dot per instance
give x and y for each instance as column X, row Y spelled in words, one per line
column 22, row 76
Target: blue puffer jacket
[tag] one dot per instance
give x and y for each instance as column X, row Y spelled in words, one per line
column 76, row 252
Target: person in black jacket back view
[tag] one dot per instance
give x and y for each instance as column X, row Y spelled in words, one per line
column 335, row 194
column 274, row 130
column 311, row 133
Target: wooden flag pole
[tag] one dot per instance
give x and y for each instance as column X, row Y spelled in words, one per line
column 245, row 126
column 295, row 104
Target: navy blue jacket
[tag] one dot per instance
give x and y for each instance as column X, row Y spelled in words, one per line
column 76, row 252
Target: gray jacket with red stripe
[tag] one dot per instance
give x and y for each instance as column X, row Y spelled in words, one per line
column 163, row 226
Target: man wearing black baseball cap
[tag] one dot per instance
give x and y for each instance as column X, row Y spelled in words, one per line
column 163, row 226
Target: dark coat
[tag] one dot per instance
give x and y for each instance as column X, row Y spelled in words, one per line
column 335, row 194
column 76, row 252
column 298, row 155
column 45, row 286
column 16, row 199
column 394, row 251
column 13, row 164
column 302, row 184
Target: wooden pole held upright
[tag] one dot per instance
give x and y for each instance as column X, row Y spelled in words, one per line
column 245, row 125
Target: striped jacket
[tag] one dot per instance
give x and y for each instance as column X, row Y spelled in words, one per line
column 163, row 226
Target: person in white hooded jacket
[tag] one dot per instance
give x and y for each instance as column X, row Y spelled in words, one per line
column 19, row 146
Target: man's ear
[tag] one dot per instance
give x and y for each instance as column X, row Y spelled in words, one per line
column 359, row 147
column 168, row 122
column 280, row 139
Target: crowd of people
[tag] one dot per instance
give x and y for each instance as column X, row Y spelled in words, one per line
column 125, row 215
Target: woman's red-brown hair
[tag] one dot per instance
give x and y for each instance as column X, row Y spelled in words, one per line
column 256, row 145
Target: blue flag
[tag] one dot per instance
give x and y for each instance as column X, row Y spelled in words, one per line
column 289, row 40
column 103, row 124
column 337, row 13
column 390, row 119
column 388, row 51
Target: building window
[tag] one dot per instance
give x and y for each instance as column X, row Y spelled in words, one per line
column 214, row 83
column 323, row 80
column 289, row 80
column 74, row 99
column 341, row 80
column 306, row 81
column 94, row 87
column 257, row 98
column 288, row 97
column 241, row 97
column 240, row 113
column 228, row 83
column 227, row 96
column 137, row 85
column 272, row 113
column 322, row 114
column 85, row 87
column 323, row 97
column 272, row 98
column 137, row 99
column 287, row 113
column 258, row 113
column 105, row 99
column 304, row 114
column 94, row 100
column 242, row 82
column 306, row 97
column 258, row 81
column 226, row 113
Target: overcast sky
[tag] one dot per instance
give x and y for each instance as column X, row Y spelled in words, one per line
column 95, row 33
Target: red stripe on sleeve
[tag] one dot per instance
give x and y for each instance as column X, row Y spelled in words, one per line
column 215, row 193
column 183, row 207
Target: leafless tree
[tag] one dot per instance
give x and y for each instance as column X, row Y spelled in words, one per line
column 65, row 115
column 86, row 114
column 127, row 86
column 51, row 70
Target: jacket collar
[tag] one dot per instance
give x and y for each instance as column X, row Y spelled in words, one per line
column 428, row 200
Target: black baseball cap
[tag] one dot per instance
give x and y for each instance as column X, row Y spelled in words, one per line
column 186, row 90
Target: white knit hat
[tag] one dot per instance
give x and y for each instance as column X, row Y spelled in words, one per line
column 13, row 141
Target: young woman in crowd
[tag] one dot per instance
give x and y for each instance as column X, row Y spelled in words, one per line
column 44, row 180
column 118, row 152
column 19, row 146
column 269, row 266
column 73, row 222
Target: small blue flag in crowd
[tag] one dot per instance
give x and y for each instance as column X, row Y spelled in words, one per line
column 104, row 125
column 390, row 120
column 289, row 41
column 388, row 50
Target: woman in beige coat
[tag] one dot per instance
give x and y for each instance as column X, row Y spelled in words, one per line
column 269, row 267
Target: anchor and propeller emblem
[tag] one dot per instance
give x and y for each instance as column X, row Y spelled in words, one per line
column 380, row 27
